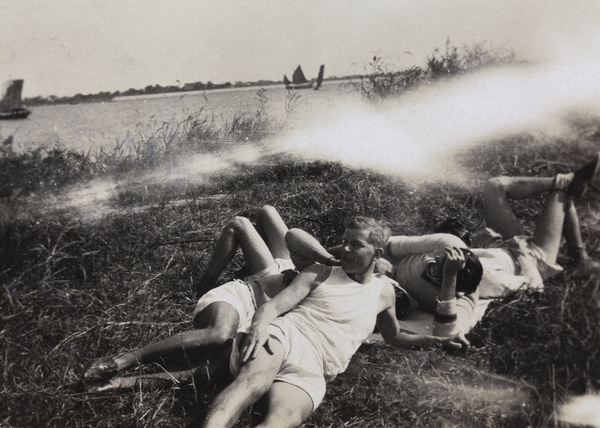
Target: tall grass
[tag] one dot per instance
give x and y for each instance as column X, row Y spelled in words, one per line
column 73, row 289
column 382, row 81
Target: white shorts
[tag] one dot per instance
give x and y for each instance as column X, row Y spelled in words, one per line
column 302, row 366
column 532, row 258
column 244, row 296
column 279, row 266
column 237, row 293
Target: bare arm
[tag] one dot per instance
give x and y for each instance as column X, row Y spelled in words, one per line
column 336, row 251
column 401, row 246
column 286, row 300
column 446, row 322
column 389, row 328
column 387, row 324
column 409, row 340
column 305, row 250
column 453, row 264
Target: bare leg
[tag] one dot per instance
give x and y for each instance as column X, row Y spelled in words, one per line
column 288, row 406
column 575, row 245
column 216, row 324
column 562, row 217
column 237, row 233
column 305, row 249
column 155, row 381
column 254, row 380
column 572, row 233
column 209, row 372
column 549, row 227
column 498, row 212
column 272, row 228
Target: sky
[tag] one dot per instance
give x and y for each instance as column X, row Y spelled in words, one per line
column 65, row 47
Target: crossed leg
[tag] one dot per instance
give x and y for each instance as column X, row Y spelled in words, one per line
column 558, row 217
column 179, row 355
column 287, row 405
column 219, row 321
column 260, row 245
column 214, row 325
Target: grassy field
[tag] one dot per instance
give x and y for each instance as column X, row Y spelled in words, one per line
column 77, row 286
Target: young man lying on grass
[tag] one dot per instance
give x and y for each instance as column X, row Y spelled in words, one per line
column 310, row 249
column 501, row 259
column 509, row 260
column 219, row 312
column 306, row 335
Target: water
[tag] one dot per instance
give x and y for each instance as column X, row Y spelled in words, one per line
column 88, row 126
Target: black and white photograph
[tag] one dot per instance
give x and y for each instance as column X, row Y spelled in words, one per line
column 341, row 213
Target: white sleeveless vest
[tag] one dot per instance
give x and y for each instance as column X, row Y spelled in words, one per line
column 337, row 317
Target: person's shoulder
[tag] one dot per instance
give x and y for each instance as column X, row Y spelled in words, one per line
column 388, row 293
column 386, row 278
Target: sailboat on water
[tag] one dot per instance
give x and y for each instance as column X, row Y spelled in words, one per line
column 11, row 106
column 299, row 80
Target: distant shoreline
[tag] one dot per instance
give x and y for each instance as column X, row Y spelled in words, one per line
column 213, row 91
column 164, row 92
column 187, row 93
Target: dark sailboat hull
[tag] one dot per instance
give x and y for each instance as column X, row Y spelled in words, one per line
column 15, row 114
column 299, row 85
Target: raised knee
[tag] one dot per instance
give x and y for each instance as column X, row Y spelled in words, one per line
column 236, row 225
column 266, row 211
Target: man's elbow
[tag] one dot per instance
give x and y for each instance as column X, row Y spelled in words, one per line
column 389, row 339
column 390, row 333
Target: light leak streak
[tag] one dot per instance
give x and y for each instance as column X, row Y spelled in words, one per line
column 95, row 199
column 417, row 135
column 414, row 137
column 581, row 411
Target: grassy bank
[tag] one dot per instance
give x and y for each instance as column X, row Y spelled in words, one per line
column 75, row 288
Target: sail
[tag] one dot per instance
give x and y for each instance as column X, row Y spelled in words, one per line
column 11, row 95
column 299, row 80
column 320, row 77
column 298, row 77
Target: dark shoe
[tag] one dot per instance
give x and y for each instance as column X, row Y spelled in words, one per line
column 100, row 370
column 583, row 176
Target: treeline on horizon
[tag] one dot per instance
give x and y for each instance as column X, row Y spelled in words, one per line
column 379, row 78
column 153, row 90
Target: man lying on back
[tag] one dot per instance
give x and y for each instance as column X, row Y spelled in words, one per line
column 329, row 311
column 506, row 259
